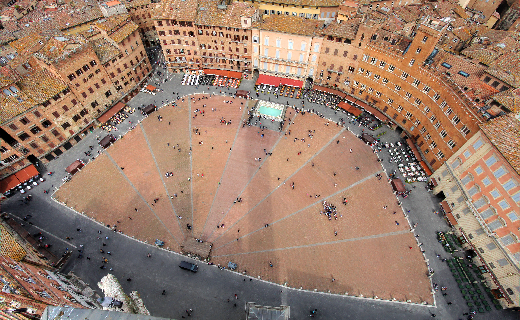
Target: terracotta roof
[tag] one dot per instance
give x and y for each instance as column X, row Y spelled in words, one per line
column 346, row 29
column 136, row 3
column 504, row 133
column 291, row 24
column 112, row 23
column 182, row 10
column 34, row 88
column 510, row 99
column 123, row 32
column 105, row 50
column 307, row 3
column 58, row 48
column 7, row 76
column 210, row 15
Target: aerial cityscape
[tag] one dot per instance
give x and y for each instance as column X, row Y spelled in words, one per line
column 204, row 159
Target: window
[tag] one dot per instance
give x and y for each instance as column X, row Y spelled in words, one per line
column 412, row 61
column 266, row 41
column 391, row 68
column 397, row 88
column 465, row 131
column 418, row 102
column 451, row 144
column 303, row 46
column 486, row 181
column 418, row 50
column 446, row 65
column 436, row 97
column 437, row 125
column 479, row 170
column 480, row 202
column 464, row 74
column 455, row 120
column 499, row 172
column 473, row 191
column 467, row 179
column 399, row 108
column 255, row 39
column 433, row 118
column 503, row 204
column 509, row 185
column 317, row 48
column 23, row 136
column 491, row 161
column 13, row 126
column 408, row 95
column 495, row 194
column 56, row 114
column 433, row 145
column 278, row 43
column 440, row 155
column 24, row 120
column 416, row 83
column 35, row 129
column 37, row 114
column 478, row 144
column 108, row 93
column 512, row 216
column 488, row 213
column 443, row 133
column 425, row 39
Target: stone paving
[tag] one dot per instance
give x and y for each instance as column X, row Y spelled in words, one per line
column 206, row 292
column 278, row 220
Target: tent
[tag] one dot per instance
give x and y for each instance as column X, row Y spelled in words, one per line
column 243, row 93
column 149, row 109
column 350, row 108
column 107, row 141
column 75, row 167
column 368, row 139
column 18, row 178
column 398, row 185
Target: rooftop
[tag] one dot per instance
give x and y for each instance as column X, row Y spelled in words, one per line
column 182, row 10
column 291, row 24
column 510, row 99
column 504, row 133
column 307, row 3
column 105, row 50
column 209, row 14
column 346, row 29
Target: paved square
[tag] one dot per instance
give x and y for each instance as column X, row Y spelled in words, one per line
column 276, row 231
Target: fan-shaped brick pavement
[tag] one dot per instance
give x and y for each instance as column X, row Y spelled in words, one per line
column 276, row 231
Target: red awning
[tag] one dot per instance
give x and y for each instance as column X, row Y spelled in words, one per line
column 425, row 167
column 445, row 207
column 277, row 81
column 8, row 183
column 150, row 88
column 20, row 177
column 350, row 108
column 325, row 89
column 26, row 173
column 434, row 182
column 111, row 112
column 351, row 99
column 224, row 73
column 451, row 219
column 376, row 113
column 414, row 149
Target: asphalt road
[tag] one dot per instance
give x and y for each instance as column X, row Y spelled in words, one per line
column 207, row 292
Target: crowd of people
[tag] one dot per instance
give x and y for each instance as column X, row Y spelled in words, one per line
column 330, row 210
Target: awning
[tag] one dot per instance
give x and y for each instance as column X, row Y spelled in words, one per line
column 26, row 173
column 277, row 81
column 150, row 88
column 376, row 113
column 75, row 166
column 350, row 108
column 445, row 207
column 20, row 177
column 351, row 99
column 328, row 90
column 224, row 73
column 414, row 150
column 425, row 167
column 8, row 183
column 451, row 219
column 111, row 112
column 433, row 182
column 398, row 185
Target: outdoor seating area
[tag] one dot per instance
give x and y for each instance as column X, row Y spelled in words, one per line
column 475, row 292
column 199, row 77
column 324, row 98
column 407, row 163
column 192, row 78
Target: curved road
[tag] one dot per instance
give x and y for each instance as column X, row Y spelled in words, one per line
column 207, row 292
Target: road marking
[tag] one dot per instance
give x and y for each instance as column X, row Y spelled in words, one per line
column 139, row 194
column 283, row 182
column 43, row 230
column 225, row 167
column 375, row 236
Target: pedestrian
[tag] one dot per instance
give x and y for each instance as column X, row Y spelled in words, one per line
column 163, row 292
column 129, row 279
column 236, row 296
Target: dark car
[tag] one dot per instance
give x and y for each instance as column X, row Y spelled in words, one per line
column 189, row 266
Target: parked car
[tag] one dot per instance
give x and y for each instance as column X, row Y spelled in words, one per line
column 189, row 266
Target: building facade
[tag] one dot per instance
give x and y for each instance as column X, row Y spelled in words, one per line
column 481, row 186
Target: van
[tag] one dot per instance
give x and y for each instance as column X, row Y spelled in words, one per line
column 189, row 266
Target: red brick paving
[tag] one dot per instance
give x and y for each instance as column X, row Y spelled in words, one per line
column 301, row 245
column 102, row 193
